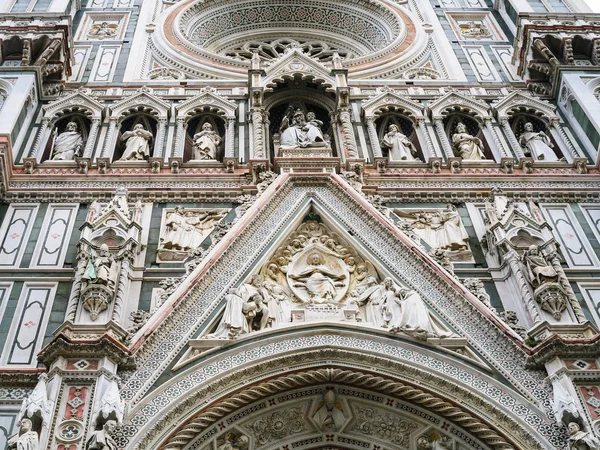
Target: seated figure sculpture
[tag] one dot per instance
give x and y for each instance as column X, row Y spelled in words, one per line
column 467, row 146
column 537, row 269
column 298, row 133
column 537, row 144
column 206, row 143
column 67, row 144
column 137, row 146
column 400, row 148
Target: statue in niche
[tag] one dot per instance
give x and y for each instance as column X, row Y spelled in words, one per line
column 400, row 148
column 537, row 269
column 102, row 439
column 329, row 414
column 467, row 146
column 206, row 143
column 185, row 231
column 25, row 439
column 67, row 144
column 102, row 269
column 537, row 144
column 103, row 30
column 441, row 229
column 581, row 440
column 319, row 276
column 231, row 442
column 297, row 132
column 137, row 144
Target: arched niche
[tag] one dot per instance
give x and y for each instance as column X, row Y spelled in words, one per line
column 306, row 96
column 523, row 238
column 5, row 88
column 59, row 126
column 474, row 128
column 406, row 125
column 85, row 111
column 517, row 123
column 195, row 126
column 128, row 123
column 209, row 107
column 143, row 108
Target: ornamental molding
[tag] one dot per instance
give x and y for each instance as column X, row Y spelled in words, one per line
column 144, row 101
column 210, row 99
column 390, row 101
column 524, row 102
column 459, row 102
column 208, row 403
column 297, row 64
column 78, row 101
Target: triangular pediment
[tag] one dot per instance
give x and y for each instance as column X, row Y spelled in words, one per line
column 143, row 98
column 389, row 99
column 295, row 63
column 524, row 101
column 208, row 98
column 453, row 101
column 259, row 236
column 80, row 100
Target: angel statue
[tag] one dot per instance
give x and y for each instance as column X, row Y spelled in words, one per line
column 103, row 30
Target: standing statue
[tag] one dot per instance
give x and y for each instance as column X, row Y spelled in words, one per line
column 401, row 149
column 137, row 143
column 581, row 440
column 101, row 269
column 25, row 439
column 206, row 143
column 102, row 439
column 467, row 146
column 538, row 145
column 67, row 144
column 537, row 270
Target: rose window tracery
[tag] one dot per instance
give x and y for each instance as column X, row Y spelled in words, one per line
column 273, row 49
column 217, row 39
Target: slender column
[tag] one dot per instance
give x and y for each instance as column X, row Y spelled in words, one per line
column 120, row 296
column 259, row 133
column 160, row 137
column 179, row 137
column 348, row 132
column 82, row 262
column 566, row 285
column 91, row 141
column 36, row 149
column 492, row 130
column 512, row 139
column 230, row 144
column 563, row 136
column 422, row 126
column 439, row 128
column 524, row 286
column 108, row 146
column 375, row 146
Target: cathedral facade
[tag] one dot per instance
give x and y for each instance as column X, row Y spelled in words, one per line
column 293, row 225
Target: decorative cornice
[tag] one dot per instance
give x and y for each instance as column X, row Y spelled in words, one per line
column 104, row 346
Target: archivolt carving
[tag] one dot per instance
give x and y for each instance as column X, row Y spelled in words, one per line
column 487, row 432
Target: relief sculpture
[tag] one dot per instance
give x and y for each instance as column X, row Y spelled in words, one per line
column 316, row 276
